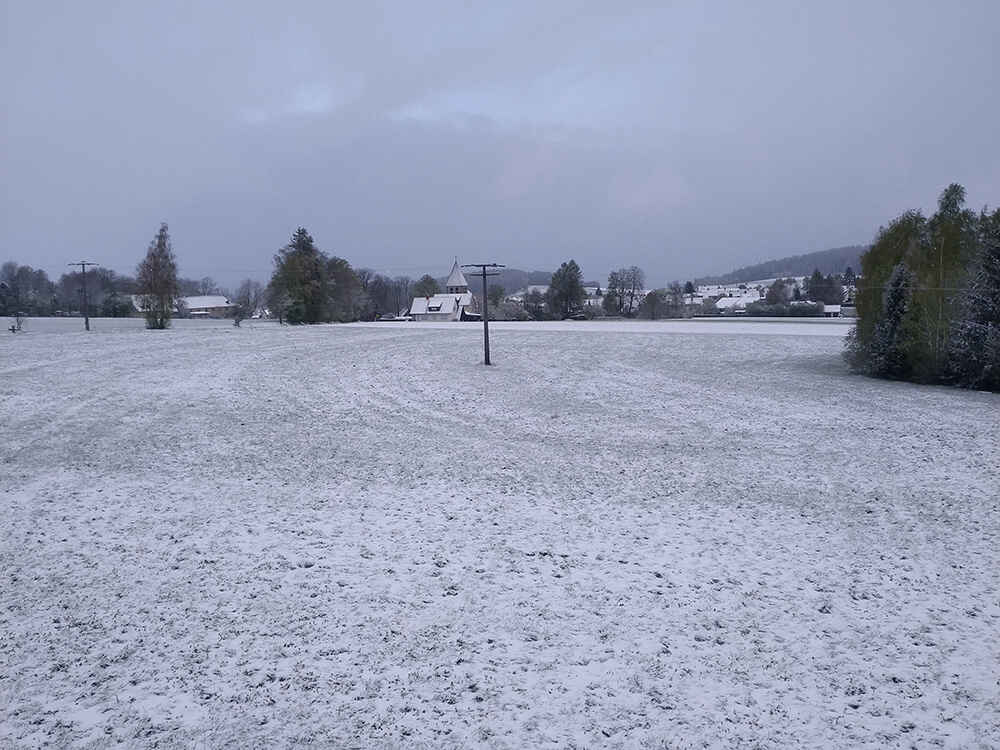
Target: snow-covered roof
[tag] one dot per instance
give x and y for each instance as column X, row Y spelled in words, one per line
column 736, row 303
column 440, row 303
column 456, row 277
column 205, row 301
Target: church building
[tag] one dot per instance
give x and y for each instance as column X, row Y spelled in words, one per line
column 455, row 303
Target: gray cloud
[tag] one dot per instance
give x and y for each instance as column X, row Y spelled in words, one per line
column 686, row 139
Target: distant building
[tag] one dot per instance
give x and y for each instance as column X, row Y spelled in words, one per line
column 206, row 306
column 456, row 303
column 200, row 306
column 737, row 305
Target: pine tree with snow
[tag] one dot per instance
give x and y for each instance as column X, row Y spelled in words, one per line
column 975, row 335
column 887, row 355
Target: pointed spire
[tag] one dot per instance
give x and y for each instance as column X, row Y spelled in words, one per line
column 456, row 283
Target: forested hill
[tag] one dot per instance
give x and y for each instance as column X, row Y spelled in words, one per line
column 831, row 261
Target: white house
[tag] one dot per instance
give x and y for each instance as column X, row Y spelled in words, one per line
column 199, row 306
column 737, row 305
column 456, row 303
column 206, row 306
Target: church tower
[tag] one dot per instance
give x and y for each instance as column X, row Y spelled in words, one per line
column 456, row 283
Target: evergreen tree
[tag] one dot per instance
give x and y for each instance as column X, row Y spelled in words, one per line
column 300, row 275
column 816, row 287
column 156, row 277
column 566, row 293
column 614, row 294
column 975, row 334
column 887, row 356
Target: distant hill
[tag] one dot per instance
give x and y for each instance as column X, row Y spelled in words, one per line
column 830, row 261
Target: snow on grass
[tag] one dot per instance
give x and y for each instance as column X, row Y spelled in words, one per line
column 621, row 535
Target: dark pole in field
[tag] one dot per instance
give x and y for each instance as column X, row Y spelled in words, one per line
column 86, row 308
column 486, row 310
column 486, row 321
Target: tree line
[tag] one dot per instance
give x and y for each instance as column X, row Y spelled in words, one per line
column 307, row 286
column 929, row 298
column 31, row 292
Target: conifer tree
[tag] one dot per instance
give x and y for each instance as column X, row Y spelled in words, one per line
column 975, row 335
column 156, row 276
column 566, row 293
column 300, row 279
column 887, row 355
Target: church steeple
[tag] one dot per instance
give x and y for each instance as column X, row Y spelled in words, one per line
column 456, row 283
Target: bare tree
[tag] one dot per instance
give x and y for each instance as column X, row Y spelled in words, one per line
column 248, row 300
column 402, row 293
column 208, row 286
column 634, row 279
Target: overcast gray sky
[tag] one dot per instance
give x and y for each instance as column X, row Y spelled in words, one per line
column 687, row 138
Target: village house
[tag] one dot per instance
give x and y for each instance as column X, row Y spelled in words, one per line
column 456, row 303
column 199, row 306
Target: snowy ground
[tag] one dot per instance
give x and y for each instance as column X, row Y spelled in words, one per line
column 358, row 536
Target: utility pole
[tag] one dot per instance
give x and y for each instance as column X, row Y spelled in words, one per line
column 486, row 316
column 86, row 308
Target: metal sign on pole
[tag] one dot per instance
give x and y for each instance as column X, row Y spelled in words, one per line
column 486, row 311
column 86, row 308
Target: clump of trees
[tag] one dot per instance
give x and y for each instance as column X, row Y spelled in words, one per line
column 382, row 295
column 426, row 286
column 624, row 291
column 26, row 290
column 156, row 277
column 929, row 298
column 783, row 291
column 826, row 289
column 664, row 303
column 800, row 309
column 308, row 286
column 30, row 291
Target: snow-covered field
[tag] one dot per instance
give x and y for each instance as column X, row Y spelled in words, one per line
column 622, row 535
